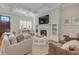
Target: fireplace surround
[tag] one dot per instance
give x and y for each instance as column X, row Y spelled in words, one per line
column 43, row 32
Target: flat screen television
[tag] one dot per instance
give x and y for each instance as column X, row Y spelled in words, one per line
column 44, row 19
column 4, row 24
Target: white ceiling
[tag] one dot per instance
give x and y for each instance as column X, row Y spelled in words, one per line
column 25, row 8
column 37, row 7
column 33, row 7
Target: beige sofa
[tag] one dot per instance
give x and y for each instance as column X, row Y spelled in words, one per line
column 55, row 49
column 20, row 48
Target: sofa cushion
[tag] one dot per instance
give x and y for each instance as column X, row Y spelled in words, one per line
column 26, row 35
column 12, row 39
column 71, row 45
column 20, row 37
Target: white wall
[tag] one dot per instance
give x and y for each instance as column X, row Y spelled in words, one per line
column 14, row 19
column 69, row 12
column 57, row 16
column 53, row 19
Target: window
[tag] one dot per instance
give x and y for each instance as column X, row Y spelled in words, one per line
column 25, row 24
column 5, row 18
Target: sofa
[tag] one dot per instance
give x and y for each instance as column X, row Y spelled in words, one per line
column 55, row 49
column 18, row 48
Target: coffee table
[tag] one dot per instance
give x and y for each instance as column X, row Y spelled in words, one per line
column 40, row 41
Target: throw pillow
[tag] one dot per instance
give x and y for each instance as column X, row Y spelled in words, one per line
column 26, row 35
column 12, row 39
column 20, row 37
column 71, row 45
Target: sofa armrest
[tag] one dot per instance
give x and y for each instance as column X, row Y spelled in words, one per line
column 20, row 48
column 74, row 52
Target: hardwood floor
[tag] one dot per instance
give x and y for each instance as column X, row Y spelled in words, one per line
column 40, row 50
column 0, row 40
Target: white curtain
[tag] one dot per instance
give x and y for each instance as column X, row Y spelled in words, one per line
column 25, row 24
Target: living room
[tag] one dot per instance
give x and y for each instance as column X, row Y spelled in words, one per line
column 39, row 28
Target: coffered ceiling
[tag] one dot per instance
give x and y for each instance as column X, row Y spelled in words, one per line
column 33, row 7
column 26, row 8
column 37, row 7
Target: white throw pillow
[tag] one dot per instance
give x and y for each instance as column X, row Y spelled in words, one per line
column 6, row 40
column 71, row 44
column 12, row 39
column 5, row 43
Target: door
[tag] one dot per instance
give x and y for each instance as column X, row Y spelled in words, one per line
column 4, row 24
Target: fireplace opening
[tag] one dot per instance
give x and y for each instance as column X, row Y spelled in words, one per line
column 43, row 32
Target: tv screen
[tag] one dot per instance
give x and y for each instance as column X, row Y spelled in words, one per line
column 44, row 19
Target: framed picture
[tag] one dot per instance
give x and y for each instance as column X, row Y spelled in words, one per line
column 67, row 21
column 75, row 20
column 54, row 29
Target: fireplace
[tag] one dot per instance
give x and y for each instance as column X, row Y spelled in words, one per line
column 43, row 32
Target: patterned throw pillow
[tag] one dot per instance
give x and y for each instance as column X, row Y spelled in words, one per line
column 20, row 37
column 71, row 45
